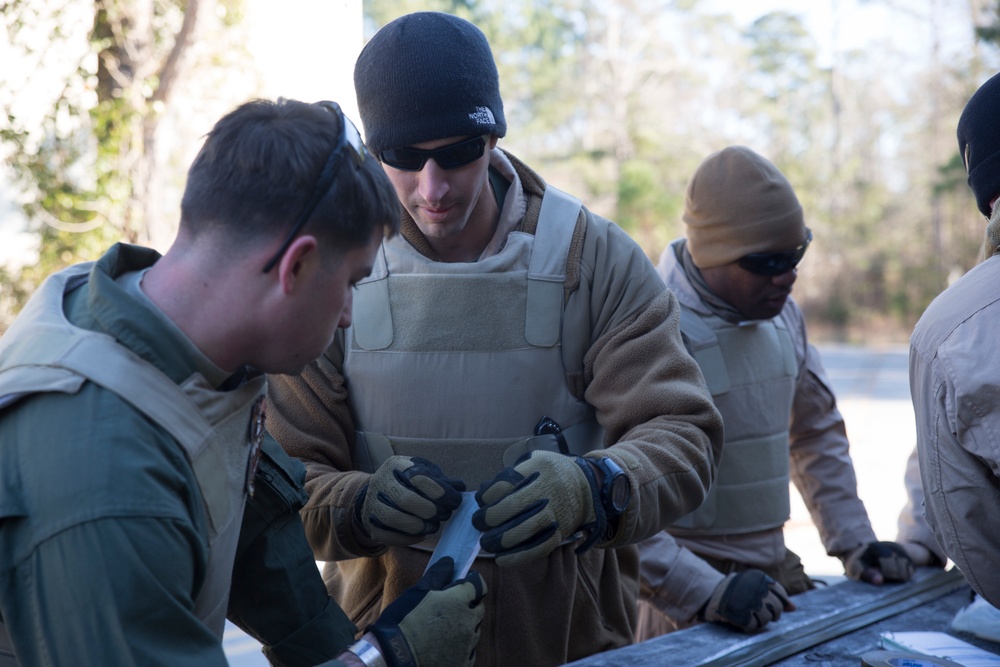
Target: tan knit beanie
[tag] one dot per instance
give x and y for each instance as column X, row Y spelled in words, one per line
column 738, row 203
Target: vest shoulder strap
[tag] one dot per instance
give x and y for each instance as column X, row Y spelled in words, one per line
column 373, row 315
column 547, row 267
column 121, row 371
column 703, row 344
column 100, row 359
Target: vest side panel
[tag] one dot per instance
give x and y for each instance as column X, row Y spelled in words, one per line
column 751, row 490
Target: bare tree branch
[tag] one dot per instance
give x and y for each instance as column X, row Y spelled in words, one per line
column 171, row 66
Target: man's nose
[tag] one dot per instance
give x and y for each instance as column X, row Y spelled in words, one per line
column 433, row 182
column 346, row 314
column 786, row 279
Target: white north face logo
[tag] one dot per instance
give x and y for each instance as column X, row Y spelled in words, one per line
column 483, row 116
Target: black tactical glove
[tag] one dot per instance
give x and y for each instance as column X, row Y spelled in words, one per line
column 529, row 510
column 878, row 562
column 749, row 600
column 433, row 622
column 405, row 500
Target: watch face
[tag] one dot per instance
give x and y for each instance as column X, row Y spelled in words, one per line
column 620, row 493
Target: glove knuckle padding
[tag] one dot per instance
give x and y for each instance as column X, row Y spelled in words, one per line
column 894, row 561
column 427, row 478
column 421, row 483
column 528, row 510
column 506, row 498
column 896, row 569
column 749, row 600
column 888, row 557
column 408, row 497
column 499, row 487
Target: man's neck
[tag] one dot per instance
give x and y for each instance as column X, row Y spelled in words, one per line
column 196, row 303
column 468, row 246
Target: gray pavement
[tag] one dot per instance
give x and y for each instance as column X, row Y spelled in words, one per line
column 873, row 394
column 242, row 650
column 867, row 372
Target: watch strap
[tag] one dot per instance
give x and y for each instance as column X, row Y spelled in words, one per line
column 598, row 527
column 610, row 470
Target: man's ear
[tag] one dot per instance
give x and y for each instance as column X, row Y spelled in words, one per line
column 299, row 263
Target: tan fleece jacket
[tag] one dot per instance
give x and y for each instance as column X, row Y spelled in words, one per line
column 649, row 396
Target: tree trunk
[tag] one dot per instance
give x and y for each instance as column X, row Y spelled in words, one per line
column 136, row 80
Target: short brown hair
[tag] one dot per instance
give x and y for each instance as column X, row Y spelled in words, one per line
column 259, row 166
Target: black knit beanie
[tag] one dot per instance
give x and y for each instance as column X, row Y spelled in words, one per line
column 979, row 142
column 427, row 76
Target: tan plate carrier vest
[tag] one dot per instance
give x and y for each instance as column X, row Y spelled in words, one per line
column 44, row 352
column 458, row 362
column 751, row 372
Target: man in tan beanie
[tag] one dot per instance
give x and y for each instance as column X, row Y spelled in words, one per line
column 727, row 562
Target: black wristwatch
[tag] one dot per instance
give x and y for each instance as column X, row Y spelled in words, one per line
column 615, row 491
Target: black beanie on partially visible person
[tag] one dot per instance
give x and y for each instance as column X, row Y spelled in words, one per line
column 979, row 142
column 427, row 76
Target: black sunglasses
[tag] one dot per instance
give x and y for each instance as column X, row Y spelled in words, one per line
column 350, row 140
column 775, row 263
column 451, row 156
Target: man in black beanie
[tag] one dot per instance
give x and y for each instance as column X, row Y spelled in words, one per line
column 509, row 342
column 953, row 376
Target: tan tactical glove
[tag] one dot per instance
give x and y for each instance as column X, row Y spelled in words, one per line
column 433, row 623
column 748, row 600
column 878, row 562
column 405, row 500
column 530, row 509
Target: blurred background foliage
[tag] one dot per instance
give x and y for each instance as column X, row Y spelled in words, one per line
column 617, row 101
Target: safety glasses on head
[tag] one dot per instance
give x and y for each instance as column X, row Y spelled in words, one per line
column 775, row 263
column 451, row 156
column 349, row 142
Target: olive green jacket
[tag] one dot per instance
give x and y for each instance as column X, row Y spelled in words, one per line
column 104, row 526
